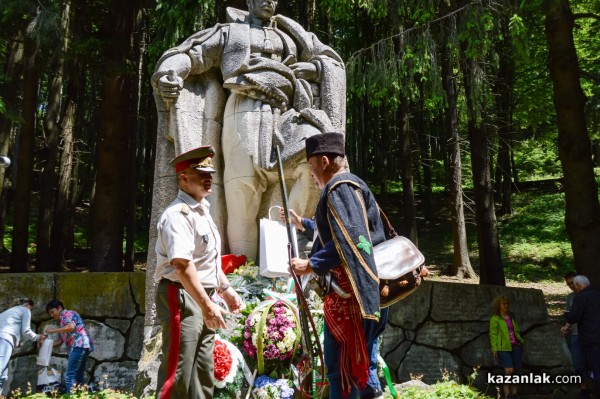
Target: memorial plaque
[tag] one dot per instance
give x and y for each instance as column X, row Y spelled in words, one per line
column 449, row 335
column 477, row 352
column 546, row 346
column 390, row 339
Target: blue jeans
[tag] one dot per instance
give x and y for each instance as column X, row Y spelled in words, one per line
column 6, row 349
column 76, row 367
column 332, row 351
column 577, row 356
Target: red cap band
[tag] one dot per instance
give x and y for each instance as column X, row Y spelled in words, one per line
column 179, row 166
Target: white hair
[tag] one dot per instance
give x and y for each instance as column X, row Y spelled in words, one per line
column 581, row 280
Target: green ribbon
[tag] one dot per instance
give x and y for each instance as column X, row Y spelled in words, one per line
column 260, row 340
column 388, row 377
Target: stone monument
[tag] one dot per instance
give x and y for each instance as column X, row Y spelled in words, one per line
column 256, row 81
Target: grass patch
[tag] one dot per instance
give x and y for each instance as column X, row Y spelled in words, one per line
column 534, row 241
column 76, row 393
column 447, row 389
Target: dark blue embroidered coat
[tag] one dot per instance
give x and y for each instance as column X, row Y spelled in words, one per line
column 347, row 219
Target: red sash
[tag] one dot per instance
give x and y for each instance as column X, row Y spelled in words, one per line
column 344, row 322
column 173, row 295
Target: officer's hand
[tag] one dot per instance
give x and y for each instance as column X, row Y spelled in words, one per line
column 213, row 316
column 233, row 300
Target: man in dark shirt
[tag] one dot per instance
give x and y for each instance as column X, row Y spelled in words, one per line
column 586, row 313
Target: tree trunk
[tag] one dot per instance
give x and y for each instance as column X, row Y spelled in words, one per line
column 582, row 213
column 424, row 151
column 116, row 114
column 24, row 160
column 139, row 47
column 62, row 209
column 9, row 92
column 310, row 15
column 52, row 133
column 461, row 265
column 384, row 152
column 503, row 89
column 406, row 175
column 490, row 258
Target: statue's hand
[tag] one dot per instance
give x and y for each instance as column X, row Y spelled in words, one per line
column 169, row 86
column 305, row 70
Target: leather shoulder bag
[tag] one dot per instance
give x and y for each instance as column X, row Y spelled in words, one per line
column 399, row 264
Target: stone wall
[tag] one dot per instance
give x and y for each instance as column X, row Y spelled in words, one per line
column 442, row 329
column 113, row 307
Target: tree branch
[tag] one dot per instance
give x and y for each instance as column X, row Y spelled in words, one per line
column 591, row 76
column 586, row 15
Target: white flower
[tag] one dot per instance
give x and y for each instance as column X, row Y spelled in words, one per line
column 287, row 343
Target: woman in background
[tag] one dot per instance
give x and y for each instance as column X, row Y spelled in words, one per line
column 506, row 341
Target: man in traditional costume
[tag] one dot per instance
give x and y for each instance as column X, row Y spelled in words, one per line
column 283, row 85
column 347, row 225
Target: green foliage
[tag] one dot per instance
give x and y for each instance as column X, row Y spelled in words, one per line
column 231, row 390
column 445, row 389
column 537, row 159
column 585, row 35
column 518, row 35
column 173, row 21
column 77, row 393
column 31, row 245
column 534, row 240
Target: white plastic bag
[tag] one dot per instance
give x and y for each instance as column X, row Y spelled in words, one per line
column 47, row 376
column 273, row 259
column 45, row 352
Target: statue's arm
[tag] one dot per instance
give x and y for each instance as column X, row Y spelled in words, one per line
column 188, row 59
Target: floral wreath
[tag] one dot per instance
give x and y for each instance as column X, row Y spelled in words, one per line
column 272, row 332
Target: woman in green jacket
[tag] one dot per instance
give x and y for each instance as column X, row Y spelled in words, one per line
column 506, row 341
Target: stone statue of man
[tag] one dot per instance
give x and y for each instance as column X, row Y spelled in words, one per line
column 256, row 81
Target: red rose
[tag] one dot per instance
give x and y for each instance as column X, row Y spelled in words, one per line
column 223, row 360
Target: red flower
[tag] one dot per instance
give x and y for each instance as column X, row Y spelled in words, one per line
column 223, row 360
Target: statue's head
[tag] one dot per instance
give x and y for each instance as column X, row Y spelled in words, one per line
column 262, row 9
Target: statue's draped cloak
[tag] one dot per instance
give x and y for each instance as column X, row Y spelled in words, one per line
column 233, row 58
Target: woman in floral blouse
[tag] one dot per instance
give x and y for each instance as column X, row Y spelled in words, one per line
column 74, row 335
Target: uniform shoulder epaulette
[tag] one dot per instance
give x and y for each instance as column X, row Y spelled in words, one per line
column 185, row 209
